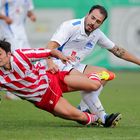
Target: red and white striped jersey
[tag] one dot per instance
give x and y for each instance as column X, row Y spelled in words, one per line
column 27, row 75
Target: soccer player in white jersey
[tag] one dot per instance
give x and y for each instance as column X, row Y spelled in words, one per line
column 13, row 15
column 77, row 38
column 23, row 73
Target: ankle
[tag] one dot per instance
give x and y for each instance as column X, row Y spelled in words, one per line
column 90, row 119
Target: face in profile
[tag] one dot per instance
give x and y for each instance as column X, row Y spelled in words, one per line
column 4, row 58
column 93, row 20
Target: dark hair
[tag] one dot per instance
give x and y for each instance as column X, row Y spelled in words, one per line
column 101, row 8
column 6, row 46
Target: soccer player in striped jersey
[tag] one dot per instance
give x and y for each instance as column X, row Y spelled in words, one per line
column 23, row 73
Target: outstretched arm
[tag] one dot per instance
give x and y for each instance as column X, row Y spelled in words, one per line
column 124, row 54
column 41, row 53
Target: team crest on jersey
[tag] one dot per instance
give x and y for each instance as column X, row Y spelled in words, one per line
column 89, row 45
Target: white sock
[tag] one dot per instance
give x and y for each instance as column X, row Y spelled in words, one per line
column 83, row 105
column 93, row 102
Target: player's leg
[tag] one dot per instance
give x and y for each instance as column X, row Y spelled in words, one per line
column 94, row 95
column 53, row 102
column 87, row 70
column 91, row 99
column 82, row 82
column 94, row 104
column 65, row 110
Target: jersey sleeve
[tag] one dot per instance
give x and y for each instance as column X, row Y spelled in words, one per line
column 30, row 5
column 63, row 33
column 105, row 42
column 36, row 54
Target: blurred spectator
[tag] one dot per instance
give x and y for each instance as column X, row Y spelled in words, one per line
column 13, row 14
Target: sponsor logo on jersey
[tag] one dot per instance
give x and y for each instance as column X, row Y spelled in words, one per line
column 89, row 45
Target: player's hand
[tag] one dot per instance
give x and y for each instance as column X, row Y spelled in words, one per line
column 31, row 15
column 8, row 20
column 58, row 54
column 65, row 59
column 52, row 67
column 33, row 18
column 71, row 58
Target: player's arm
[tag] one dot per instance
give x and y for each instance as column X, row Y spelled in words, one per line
column 53, row 45
column 41, row 53
column 31, row 15
column 35, row 54
column 59, row 54
column 6, row 19
column 52, row 67
column 60, row 37
column 124, row 54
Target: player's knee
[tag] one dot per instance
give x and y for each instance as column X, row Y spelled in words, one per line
column 95, row 86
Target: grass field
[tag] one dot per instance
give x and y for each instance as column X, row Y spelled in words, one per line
column 20, row 120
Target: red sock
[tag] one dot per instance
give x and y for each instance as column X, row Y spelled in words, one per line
column 94, row 76
column 90, row 119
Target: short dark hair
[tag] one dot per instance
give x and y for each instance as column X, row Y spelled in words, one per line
column 101, row 8
column 6, row 46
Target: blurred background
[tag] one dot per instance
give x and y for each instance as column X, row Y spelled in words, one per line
column 122, row 26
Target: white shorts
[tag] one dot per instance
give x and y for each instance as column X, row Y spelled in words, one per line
column 67, row 67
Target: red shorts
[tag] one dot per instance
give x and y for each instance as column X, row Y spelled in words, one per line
column 54, row 91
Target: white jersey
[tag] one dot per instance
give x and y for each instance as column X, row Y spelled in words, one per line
column 17, row 10
column 74, row 41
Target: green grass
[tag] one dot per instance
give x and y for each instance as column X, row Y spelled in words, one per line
column 20, row 120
